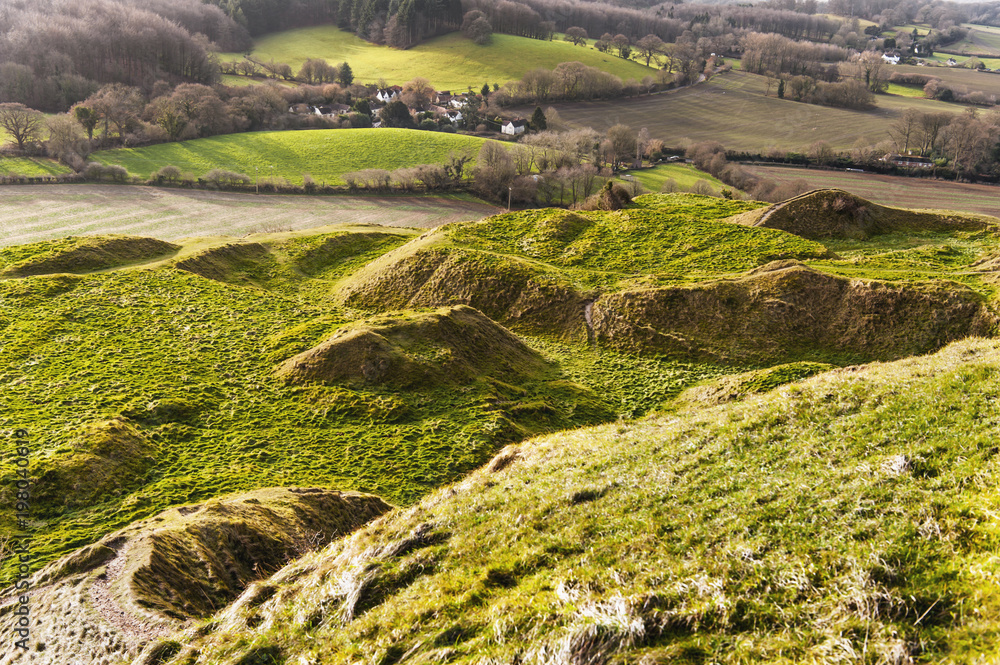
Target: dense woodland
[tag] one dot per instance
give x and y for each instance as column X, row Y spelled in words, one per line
column 54, row 53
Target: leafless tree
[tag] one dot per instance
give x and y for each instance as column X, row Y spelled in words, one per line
column 23, row 124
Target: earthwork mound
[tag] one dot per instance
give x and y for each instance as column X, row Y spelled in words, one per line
column 785, row 312
column 834, row 213
column 225, row 263
column 82, row 255
column 450, row 346
column 152, row 577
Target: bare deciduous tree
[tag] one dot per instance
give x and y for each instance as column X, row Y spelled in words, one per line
column 23, row 124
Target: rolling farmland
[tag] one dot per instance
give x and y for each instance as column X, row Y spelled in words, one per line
column 895, row 190
column 732, row 109
column 45, row 212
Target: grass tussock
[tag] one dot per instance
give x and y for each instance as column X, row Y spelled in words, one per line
column 834, row 519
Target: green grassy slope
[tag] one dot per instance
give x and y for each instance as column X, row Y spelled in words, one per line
column 186, row 359
column 448, row 62
column 834, row 520
column 325, row 154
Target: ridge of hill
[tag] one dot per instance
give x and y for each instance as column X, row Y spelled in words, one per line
column 672, row 275
column 158, row 575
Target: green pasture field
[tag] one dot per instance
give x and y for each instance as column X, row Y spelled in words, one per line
column 685, row 175
column 449, row 62
column 31, row 166
column 905, row 90
column 31, row 214
column 244, row 81
column 325, row 154
column 732, row 108
column 895, row 190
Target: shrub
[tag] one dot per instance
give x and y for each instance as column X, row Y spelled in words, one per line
column 168, row 173
column 98, row 171
column 308, row 184
column 221, row 177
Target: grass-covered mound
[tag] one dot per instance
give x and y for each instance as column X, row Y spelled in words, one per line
column 538, row 270
column 669, row 275
column 834, row 213
column 738, row 386
column 325, row 154
column 839, row 519
column 108, row 457
column 180, row 370
column 80, row 255
column 156, row 575
column 450, row 346
column 785, row 311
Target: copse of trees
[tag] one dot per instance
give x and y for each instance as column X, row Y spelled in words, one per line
column 54, row 53
column 539, row 18
column 261, row 16
column 773, row 53
column 401, row 23
column 568, row 81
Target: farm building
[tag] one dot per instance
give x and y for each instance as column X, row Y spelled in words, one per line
column 908, row 161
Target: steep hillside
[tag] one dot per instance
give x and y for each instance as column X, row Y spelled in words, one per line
column 834, row 520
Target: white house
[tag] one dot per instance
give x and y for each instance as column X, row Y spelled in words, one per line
column 514, row 127
column 891, row 57
column 390, row 94
column 454, row 116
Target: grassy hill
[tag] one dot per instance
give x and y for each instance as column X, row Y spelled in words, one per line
column 326, row 154
column 835, row 519
column 733, row 109
column 840, row 515
column 449, row 62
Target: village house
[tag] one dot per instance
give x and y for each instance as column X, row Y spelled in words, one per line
column 908, row 161
column 390, row 94
column 514, row 127
column 891, row 57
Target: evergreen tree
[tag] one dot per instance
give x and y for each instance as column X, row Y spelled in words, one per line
column 345, row 75
column 538, row 119
column 781, row 89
